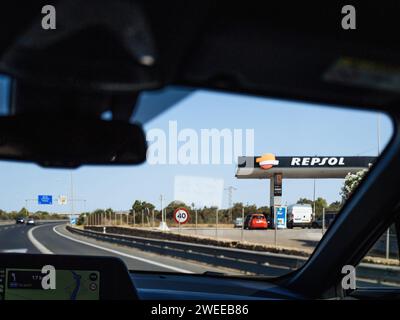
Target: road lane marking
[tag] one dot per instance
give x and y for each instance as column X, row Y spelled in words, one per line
column 23, row 250
column 36, row 243
column 123, row 254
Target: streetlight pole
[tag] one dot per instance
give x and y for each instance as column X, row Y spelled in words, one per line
column 230, row 189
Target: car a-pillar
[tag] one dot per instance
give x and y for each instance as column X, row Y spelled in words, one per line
column 275, row 193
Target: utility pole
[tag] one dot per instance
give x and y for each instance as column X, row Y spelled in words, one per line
column 163, row 225
column 314, row 201
column 72, row 196
column 230, row 189
column 314, row 198
column 162, row 212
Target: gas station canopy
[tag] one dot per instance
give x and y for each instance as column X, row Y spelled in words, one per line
column 300, row 167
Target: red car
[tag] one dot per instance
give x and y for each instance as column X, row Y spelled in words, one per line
column 255, row 221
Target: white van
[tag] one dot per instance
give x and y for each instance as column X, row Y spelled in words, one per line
column 299, row 215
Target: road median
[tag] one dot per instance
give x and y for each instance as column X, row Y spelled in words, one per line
column 209, row 252
column 198, row 239
column 226, row 243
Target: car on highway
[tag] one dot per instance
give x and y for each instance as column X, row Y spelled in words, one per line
column 30, row 221
column 329, row 219
column 238, row 223
column 270, row 221
column 255, row 221
column 20, row 220
column 317, row 223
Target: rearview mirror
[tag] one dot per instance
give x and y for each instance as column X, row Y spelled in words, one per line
column 69, row 143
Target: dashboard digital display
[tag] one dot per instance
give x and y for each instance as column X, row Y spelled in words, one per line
column 26, row 284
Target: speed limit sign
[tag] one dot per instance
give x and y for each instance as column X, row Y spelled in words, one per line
column 181, row 215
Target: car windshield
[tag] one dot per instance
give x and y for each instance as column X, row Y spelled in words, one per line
column 213, row 159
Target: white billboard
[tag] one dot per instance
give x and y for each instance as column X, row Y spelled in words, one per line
column 202, row 191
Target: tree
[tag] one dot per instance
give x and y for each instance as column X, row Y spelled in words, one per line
column 100, row 211
column 237, row 209
column 3, row 215
column 304, row 201
column 264, row 210
column 23, row 212
column 172, row 206
column 335, row 206
column 138, row 206
column 81, row 219
column 208, row 214
column 148, row 205
column 351, row 182
column 109, row 211
column 320, row 204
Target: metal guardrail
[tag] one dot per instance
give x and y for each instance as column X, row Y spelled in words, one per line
column 265, row 263
column 378, row 273
column 271, row 264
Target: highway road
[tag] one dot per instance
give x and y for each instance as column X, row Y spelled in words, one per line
column 53, row 238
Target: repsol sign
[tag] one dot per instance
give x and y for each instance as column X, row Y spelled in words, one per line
column 305, row 162
column 317, row 161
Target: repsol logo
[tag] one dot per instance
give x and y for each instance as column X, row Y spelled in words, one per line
column 317, row 161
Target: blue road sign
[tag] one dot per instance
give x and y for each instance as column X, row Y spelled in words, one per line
column 281, row 216
column 45, row 199
column 72, row 220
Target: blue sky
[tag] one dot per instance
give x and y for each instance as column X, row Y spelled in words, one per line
column 280, row 127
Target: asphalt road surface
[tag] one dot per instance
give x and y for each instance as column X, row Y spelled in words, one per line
column 53, row 238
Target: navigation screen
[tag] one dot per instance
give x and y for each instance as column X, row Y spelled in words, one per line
column 26, row 284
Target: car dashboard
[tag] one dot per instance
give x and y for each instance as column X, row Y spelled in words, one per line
column 164, row 286
column 28, row 277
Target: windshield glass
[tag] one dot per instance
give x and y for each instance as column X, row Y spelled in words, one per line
column 223, row 170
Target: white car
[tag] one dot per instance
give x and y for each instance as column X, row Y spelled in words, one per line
column 299, row 215
column 238, row 223
column 30, row 222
